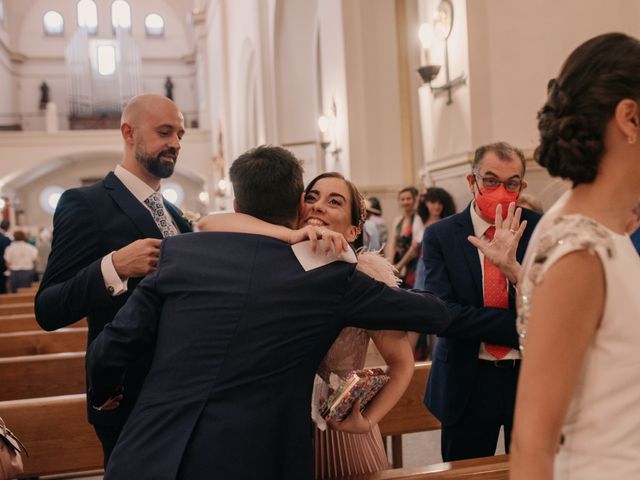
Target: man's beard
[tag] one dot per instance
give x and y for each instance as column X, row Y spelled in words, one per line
column 155, row 165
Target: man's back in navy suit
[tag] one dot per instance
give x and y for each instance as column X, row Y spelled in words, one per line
column 238, row 329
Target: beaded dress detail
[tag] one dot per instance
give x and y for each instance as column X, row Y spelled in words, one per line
column 567, row 233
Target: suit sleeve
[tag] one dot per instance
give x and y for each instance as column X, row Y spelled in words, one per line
column 469, row 322
column 72, row 285
column 373, row 305
column 130, row 336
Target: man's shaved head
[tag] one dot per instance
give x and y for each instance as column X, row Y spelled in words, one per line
column 140, row 105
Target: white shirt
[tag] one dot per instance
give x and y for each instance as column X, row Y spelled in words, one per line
column 115, row 285
column 20, row 255
column 480, row 226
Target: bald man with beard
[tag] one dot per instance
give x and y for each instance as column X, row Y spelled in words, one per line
column 106, row 238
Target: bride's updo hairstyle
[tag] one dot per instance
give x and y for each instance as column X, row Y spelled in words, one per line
column 582, row 100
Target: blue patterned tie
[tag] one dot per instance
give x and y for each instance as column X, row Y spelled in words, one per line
column 154, row 202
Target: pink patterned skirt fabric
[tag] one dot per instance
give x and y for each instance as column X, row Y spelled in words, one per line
column 340, row 454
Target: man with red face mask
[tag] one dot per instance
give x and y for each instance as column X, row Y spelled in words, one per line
column 475, row 366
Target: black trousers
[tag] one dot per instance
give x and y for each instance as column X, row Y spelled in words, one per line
column 108, row 436
column 490, row 407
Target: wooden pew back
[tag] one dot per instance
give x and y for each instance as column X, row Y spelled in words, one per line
column 8, row 298
column 16, row 344
column 56, row 433
column 410, row 415
column 16, row 308
column 41, row 375
column 486, row 468
column 27, row 322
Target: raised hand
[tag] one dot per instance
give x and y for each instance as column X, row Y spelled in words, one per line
column 137, row 259
column 501, row 251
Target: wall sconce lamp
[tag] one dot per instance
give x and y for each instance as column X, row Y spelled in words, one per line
column 328, row 132
column 441, row 27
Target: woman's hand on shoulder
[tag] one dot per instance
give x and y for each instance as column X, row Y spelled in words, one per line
column 331, row 240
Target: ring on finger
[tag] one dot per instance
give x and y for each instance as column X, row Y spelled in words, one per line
column 513, row 231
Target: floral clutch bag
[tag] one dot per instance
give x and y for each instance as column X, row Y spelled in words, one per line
column 358, row 384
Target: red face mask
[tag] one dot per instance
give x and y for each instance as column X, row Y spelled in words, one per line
column 488, row 200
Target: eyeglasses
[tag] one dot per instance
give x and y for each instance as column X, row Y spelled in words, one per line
column 491, row 183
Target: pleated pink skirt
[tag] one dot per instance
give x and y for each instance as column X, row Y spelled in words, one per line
column 340, row 454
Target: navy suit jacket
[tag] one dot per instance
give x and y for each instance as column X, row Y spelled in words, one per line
column 453, row 273
column 239, row 329
column 89, row 223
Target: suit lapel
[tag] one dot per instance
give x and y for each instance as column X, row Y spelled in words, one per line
column 465, row 228
column 131, row 207
column 181, row 223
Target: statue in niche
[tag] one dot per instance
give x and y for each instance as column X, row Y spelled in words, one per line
column 168, row 88
column 44, row 95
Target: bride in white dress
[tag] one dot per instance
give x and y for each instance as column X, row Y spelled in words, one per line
column 578, row 403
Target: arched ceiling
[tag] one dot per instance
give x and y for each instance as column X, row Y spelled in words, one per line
column 16, row 10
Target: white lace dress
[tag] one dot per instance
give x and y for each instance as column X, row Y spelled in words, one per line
column 341, row 454
column 601, row 431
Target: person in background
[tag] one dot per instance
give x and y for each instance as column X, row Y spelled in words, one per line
column 20, row 258
column 406, row 235
column 374, row 208
column 633, row 227
column 526, row 200
column 5, row 240
column 473, row 378
column 434, row 205
column 370, row 232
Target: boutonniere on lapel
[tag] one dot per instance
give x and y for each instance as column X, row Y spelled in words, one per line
column 191, row 218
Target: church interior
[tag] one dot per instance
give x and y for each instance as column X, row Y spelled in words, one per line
column 390, row 93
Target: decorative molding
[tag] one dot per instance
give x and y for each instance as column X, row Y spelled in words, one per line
column 198, row 16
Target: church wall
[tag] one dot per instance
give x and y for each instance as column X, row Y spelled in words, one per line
column 373, row 89
column 509, row 50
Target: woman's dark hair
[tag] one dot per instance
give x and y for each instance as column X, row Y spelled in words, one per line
column 358, row 208
column 412, row 190
column 436, row 195
column 582, row 100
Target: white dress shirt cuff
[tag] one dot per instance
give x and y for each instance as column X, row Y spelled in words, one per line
column 112, row 281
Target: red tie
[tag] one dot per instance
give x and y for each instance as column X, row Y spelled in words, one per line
column 495, row 295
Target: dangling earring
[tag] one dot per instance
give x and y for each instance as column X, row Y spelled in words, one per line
column 631, row 140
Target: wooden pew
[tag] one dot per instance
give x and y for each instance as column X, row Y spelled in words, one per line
column 6, row 298
column 409, row 415
column 27, row 322
column 41, row 375
column 32, row 289
column 40, row 342
column 486, row 468
column 56, row 433
column 16, row 308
